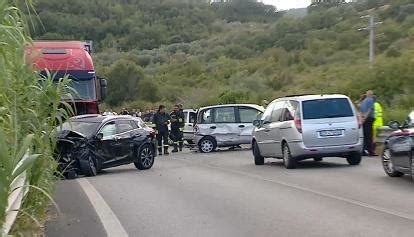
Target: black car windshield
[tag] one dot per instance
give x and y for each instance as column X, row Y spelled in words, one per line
column 327, row 108
column 87, row 129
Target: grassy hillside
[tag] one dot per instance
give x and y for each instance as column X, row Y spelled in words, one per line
column 234, row 53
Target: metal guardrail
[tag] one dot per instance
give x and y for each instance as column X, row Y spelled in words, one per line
column 15, row 199
column 383, row 133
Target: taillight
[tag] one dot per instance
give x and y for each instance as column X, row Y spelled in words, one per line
column 298, row 124
column 153, row 134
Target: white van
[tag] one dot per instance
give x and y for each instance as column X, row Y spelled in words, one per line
column 225, row 126
column 313, row 126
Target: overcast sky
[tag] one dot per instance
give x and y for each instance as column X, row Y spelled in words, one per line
column 288, row 4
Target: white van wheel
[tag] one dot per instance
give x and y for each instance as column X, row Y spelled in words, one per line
column 288, row 161
column 207, row 145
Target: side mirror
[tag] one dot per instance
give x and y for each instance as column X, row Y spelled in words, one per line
column 394, row 125
column 257, row 123
column 104, row 88
column 99, row 136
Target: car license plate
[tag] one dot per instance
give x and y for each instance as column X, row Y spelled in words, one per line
column 330, row 133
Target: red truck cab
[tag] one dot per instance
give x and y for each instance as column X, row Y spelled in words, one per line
column 72, row 59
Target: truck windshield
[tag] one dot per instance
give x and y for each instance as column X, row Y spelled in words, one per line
column 83, row 89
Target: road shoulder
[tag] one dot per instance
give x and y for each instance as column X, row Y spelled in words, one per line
column 77, row 217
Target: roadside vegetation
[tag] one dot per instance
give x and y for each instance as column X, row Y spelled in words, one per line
column 29, row 110
column 240, row 51
column 198, row 54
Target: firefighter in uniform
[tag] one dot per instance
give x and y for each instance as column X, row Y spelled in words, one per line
column 177, row 119
column 182, row 124
column 161, row 120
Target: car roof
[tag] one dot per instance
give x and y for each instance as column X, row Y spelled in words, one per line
column 312, row 97
column 258, row 107
column 97, row 118
column 189, row 110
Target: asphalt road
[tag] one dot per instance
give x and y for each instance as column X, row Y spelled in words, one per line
column 225, row 194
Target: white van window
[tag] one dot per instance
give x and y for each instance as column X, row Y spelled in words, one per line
column 327, row 108
column 206, row 117
column 193, row 117
column 277, row 111
column 247, row 115
column 267, row 115
column 225, row 115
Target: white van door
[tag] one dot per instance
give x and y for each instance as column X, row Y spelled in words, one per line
column 225, row 127
column 246, row 116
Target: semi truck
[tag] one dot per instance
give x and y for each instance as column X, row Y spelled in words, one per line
column 70, row 59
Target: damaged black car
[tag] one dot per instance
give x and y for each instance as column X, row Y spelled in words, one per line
column 87, row 144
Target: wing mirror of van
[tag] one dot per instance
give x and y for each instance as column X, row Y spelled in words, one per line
column 394, row 125
column 257, row 123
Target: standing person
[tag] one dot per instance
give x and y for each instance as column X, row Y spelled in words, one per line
column 176, row 121
column 124, row 111
column 182, row 124
column 379, row 122
column 368, row 118
column 264, row 104
column 161, row 120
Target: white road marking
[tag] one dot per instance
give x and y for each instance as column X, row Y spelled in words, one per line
column 112, row 225
column 319, row 193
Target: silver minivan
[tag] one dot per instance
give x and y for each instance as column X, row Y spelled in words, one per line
column 312, row 126
column 225, row 126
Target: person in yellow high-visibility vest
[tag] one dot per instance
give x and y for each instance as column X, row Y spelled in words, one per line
column 378, row 113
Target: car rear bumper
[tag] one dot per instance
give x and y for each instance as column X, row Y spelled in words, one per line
column 300, row 151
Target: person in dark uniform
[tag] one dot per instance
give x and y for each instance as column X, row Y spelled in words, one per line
column 177, row 118
column 182, row 124
column 161, row 120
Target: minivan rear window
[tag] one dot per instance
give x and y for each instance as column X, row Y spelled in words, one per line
column 327, row 108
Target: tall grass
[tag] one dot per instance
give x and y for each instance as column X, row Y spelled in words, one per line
column 29, row 110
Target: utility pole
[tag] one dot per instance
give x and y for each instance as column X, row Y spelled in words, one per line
column 371, row 29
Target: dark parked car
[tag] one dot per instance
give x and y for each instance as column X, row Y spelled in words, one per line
column 397, row 157
column 87, row 144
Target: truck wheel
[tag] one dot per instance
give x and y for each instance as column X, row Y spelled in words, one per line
column 354, row 158
column 207, row 145
column 288, row 161
column 258, row 158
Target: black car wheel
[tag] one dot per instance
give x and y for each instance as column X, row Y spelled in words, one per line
column 388, row 165
column 88, row 167
column 207, row 145
column 288, row 161
column 145, row 159
column 258, row 158
column 354, row 158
